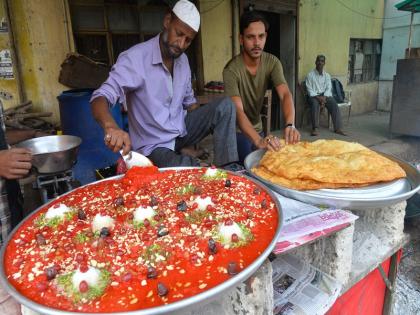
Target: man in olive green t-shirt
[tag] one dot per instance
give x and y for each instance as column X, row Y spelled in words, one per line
column 246, row 79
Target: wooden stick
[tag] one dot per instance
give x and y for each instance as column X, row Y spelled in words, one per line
column 24, row 106
column 31, row 115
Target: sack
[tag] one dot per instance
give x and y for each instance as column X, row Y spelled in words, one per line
column 337, row 90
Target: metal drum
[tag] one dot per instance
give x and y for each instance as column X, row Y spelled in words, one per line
column 373, row 196
column 185, row 304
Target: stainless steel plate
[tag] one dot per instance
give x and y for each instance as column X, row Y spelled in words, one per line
column 373, row 196
column 185, row 304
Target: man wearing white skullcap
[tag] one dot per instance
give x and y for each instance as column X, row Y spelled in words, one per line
column 187, row 13
column 154, row 79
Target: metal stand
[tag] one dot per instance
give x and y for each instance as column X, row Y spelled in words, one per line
column 390, row 283
column 53, row 185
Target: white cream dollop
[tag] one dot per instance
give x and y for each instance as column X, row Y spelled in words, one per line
column 100, row 221
column 203, row 203
column 58, row 210
column 226, row 232
column 140, row 214
column 91, row 276
column 211, row 172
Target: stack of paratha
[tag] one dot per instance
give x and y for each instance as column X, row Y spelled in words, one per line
column 326, row 164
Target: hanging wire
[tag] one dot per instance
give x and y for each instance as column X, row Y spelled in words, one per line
column 369, row 16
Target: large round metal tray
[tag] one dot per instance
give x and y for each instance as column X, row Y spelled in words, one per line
column 373, row 196
column 188, row 303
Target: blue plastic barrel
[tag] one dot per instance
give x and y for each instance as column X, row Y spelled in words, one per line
column 76, row 119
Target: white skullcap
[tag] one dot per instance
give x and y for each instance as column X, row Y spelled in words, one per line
column 187, row 13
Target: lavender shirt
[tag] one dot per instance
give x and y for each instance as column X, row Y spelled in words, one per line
column 156, row 102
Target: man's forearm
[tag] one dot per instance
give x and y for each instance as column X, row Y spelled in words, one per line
column 15, row 136
column 247, row 128
column 101, row 113
column 243, row 122
column 115, row 138
column 192, row 107
column 288, row 109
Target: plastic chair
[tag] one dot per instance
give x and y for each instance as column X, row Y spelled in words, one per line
column 346, row 103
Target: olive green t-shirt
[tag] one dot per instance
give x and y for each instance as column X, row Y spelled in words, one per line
column 251, row 88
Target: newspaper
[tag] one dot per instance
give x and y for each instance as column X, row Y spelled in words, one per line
column 301, row 289
column 304, row 223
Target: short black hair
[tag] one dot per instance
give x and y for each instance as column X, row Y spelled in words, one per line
column 320, row 56
column 251, row 17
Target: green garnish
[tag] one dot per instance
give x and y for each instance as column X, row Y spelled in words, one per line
column 140, row 225
column 81, row 237
column 54, row 221
column 196, row 216
column 150, row 253
column 248, row 237
column 190, row 188
column 66, row 283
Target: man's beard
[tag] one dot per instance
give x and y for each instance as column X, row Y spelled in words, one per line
column 254, row 55
column 167, row 46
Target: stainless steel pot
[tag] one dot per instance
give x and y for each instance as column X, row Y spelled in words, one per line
column 185, row 304
column 53, row 154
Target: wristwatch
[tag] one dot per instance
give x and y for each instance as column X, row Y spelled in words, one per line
column 290, row 125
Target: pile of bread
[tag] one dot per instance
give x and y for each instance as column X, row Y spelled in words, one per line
column 326, row 164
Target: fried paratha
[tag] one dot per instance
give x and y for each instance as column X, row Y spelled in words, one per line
column 326, row 164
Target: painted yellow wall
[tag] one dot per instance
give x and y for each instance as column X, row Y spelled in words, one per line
column 41, row 31
column 9, row 85
column 216, row 34
column 326, row 26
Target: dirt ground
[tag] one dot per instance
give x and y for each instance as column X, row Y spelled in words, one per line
column 407, row 296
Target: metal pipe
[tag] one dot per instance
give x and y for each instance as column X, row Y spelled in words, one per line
column 409, row 35
column 67, row 26
column 235, row 27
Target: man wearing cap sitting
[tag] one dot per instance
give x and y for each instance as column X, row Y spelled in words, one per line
column 246, row 79
column 154, row 80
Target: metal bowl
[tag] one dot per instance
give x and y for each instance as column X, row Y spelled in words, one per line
column 53, row 154
column 373, row 196
column 185, row 304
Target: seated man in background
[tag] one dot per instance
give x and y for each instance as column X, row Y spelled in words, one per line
column 154, row 78
column 246, row 79
column 318, row 86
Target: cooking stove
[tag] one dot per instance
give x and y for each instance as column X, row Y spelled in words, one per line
column 53, row 185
